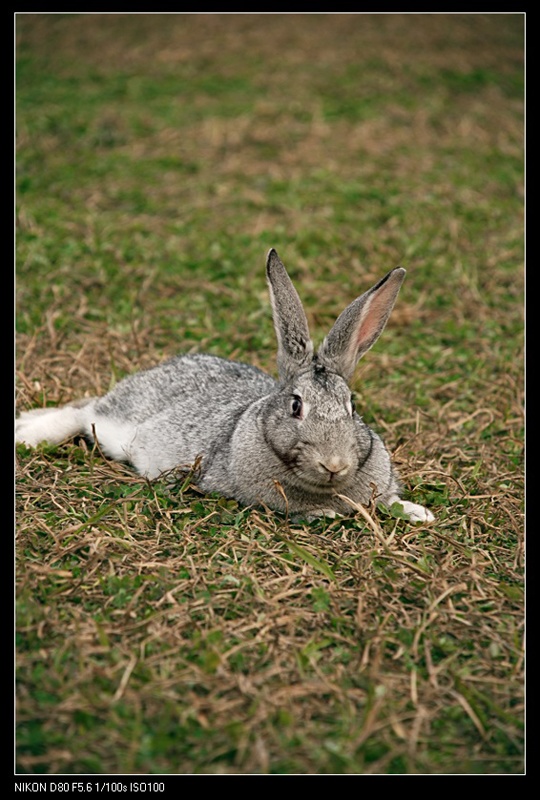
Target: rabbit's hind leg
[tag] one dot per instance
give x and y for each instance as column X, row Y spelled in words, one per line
column 52, row 425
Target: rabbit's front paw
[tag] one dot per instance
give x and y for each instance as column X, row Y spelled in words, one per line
column 415, row 512
column 311, row 516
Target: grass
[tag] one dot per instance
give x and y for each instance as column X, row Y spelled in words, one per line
column 159, row 156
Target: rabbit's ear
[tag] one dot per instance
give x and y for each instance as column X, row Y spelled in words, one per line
column 360, row 325
column 294, row 343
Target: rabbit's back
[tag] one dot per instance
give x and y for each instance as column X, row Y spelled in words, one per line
column 198, row 381
column 169, row 415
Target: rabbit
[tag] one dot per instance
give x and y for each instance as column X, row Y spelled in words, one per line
column 295, row 445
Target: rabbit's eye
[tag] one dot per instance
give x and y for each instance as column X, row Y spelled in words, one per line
column 296, row 407
column 353, row 404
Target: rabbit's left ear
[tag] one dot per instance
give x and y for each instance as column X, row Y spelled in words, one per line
column 295, row 348
column 360, row 325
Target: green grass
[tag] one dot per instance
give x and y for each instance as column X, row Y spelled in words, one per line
column 160, row 631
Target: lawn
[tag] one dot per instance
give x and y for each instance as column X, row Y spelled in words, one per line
column 159, row 157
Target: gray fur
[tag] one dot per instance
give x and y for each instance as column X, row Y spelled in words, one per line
column 293, row 445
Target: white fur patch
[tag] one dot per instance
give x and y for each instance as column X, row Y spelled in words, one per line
column 52, row 425
column 122, row 442
column 416, row 512
column 116, row 439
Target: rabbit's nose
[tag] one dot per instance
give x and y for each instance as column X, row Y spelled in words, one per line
column 334, row 466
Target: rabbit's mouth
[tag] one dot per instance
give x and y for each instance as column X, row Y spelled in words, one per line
column 334, row 470
column 320, row 478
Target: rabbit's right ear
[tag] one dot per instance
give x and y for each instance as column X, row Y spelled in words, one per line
column 361, row 324
column 295, row 347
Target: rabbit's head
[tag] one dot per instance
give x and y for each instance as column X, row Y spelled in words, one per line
column 312, row 426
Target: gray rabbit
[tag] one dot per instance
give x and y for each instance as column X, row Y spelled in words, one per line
column 295, row 445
